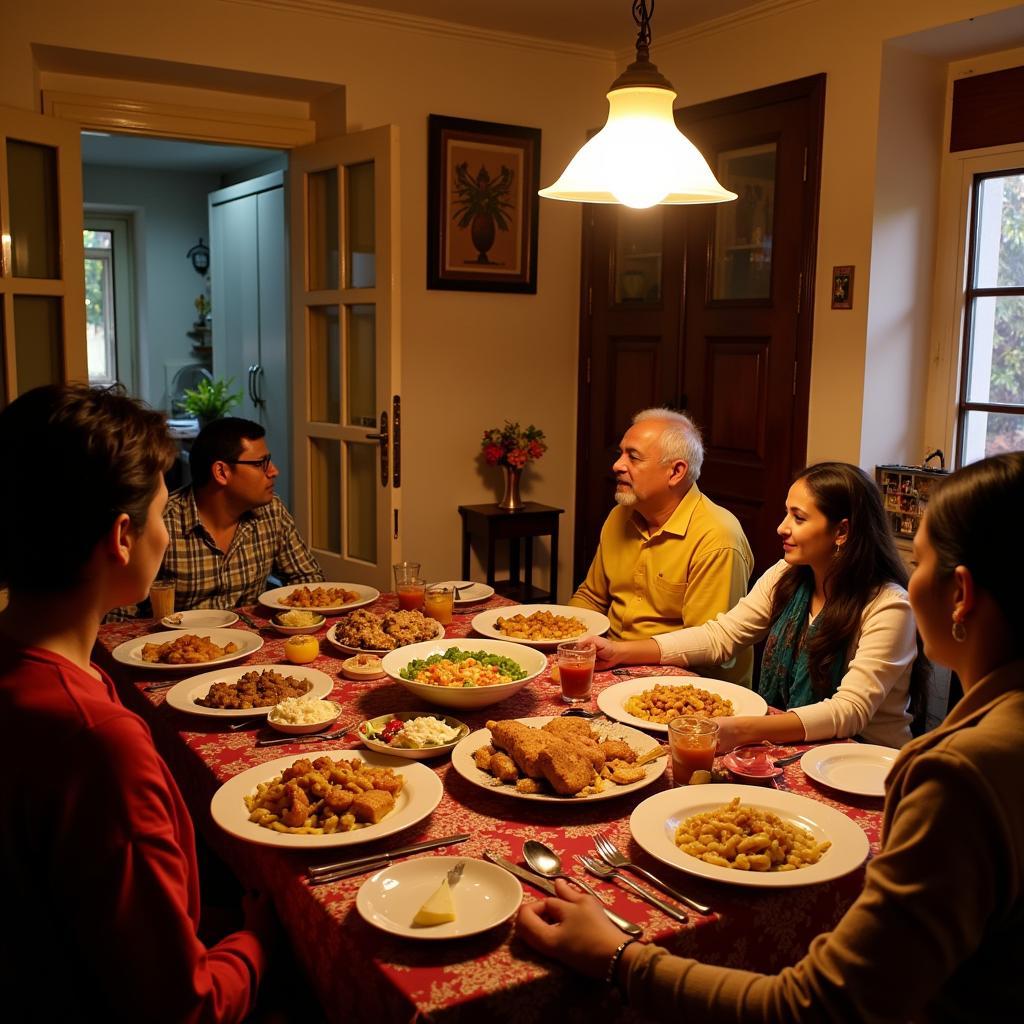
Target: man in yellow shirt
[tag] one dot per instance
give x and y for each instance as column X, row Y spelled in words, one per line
column 668, row 555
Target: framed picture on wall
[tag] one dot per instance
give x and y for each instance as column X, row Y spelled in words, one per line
column 482, row 204
column 842, row 287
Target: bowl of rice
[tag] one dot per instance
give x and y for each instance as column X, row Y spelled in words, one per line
column 297, row 621
column 299, row 715
column 470, row 673
column 412, row 734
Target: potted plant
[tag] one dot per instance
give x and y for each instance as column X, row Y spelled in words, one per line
column 511, row 447
column 210, row 400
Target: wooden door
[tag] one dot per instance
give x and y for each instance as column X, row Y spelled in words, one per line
column 345, row 365
column 707, row 309
column 42, row 262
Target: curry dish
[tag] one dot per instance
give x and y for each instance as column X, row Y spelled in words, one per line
column 186, row 650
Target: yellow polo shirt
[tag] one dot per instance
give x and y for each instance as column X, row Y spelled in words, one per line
column 697, row 565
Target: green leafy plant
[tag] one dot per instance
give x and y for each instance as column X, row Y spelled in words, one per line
column 482, row 195
column 211, row 399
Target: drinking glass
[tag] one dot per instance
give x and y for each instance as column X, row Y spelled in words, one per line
column 575, row 661
column 692, row 741
column 411, row 592
column 405, row 571
column 439, row 603
column 161, row 598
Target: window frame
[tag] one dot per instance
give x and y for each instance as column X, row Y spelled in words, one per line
column 105, row 256
column 970, row 296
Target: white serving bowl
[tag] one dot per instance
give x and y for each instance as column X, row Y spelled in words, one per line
column 297, row 630
column 412, row 753
column 532, row 661
column 301, row 730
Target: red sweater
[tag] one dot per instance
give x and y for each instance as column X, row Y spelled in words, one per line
column 97, row 854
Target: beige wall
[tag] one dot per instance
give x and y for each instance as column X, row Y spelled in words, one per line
column 471, row 360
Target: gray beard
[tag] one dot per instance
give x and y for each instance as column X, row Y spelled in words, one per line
column 625, row 498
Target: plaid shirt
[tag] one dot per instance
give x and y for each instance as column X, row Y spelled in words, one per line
column 266, row 542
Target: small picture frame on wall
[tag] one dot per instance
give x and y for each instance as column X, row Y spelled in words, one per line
column 482, row 205
column 842, row 287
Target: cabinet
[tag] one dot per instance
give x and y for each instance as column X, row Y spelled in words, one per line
column 905, row 493
column 248, row 274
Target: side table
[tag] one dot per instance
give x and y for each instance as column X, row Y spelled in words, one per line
column 495, row 524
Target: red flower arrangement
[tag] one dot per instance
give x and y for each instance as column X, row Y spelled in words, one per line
column 513, row 446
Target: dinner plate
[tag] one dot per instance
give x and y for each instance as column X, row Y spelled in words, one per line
column 485, row 896
column 332, row 639
column 612, row 701
column 859, row 768
column 365, row 595
column 182, row 696
column 130, row 652
column 462, row 761
column 594, row 623
column 197, row 618
column 420, row 795
column 473, row 593
column 653, row 825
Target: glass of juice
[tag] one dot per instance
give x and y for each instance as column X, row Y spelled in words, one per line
column 411, row 593
column 438, row 603
column 405, row 571
column 575, row 661
column 692, row 741
column 161, row 598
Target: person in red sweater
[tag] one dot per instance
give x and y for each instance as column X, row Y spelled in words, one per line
column 96, row 845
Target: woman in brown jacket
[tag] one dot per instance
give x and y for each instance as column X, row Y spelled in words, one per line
column 938, row 932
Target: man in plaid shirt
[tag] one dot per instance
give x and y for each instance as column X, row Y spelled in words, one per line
column 228, row 531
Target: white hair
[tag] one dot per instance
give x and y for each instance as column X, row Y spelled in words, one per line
column 679, row 440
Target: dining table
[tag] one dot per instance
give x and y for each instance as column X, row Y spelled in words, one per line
column 361, row 973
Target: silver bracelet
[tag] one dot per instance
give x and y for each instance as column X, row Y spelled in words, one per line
column 614, row 962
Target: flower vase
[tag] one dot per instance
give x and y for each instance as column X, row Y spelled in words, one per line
column 510, row 500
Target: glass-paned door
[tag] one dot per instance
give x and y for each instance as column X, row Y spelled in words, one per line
column 345, row 365
column 42, row 294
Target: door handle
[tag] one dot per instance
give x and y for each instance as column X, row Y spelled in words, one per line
column 257, row 385
column 382, row 439
column 252, row 393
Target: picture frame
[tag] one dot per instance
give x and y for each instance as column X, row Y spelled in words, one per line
column 842, row 287
column 482, row 205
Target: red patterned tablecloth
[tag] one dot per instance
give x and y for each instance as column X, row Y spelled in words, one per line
column 360, row 973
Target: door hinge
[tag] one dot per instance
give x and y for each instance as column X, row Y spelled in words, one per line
column 396, row 444
column 795, row 365
column 799, row 291
column 396, row 524
column 805, row 163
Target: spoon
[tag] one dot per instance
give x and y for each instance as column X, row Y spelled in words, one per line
column 546, row 862
column 580, row 713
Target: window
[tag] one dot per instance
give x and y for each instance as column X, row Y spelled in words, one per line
column 991, row 409
column 100, row 329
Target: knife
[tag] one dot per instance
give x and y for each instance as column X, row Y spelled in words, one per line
column 545, row 886
column 277, row 741
column 401, row 851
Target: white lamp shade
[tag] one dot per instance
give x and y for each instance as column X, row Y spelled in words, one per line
column 639, row 158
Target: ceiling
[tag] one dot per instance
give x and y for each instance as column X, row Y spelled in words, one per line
column 604, row 24
column 168, row 154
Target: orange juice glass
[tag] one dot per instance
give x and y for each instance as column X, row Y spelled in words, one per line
column 439, row 603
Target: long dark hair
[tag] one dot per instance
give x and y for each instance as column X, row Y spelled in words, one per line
column 969, row 518
column 866, row 561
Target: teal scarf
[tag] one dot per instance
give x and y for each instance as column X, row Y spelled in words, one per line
column 785, row 678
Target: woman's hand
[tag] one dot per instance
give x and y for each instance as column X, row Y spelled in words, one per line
column 734, row 732
column 571, row 928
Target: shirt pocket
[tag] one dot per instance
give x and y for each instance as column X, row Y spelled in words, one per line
column 667, row 596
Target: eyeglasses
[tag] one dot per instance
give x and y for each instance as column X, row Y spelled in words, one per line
column 264, row 463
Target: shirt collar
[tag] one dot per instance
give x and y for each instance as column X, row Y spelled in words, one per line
column 677, row 523
column 190, row 521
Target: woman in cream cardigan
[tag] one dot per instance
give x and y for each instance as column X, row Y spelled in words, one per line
column 841, row 651
column 936, row 933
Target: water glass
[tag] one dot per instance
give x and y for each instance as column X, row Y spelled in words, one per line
column 405, row 571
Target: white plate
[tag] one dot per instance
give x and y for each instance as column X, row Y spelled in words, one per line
column 333, row 641
column 612, row 700
column 130, row 652
column 182, row 696
column 274, row 598
column 462, row 761
column 197, row 618
column 594, row 623
column 654, row 823
column 484, row 896
column 859, row 768
column 412, row 753
column 531, row 661
column 473, row 594
column 420, row 795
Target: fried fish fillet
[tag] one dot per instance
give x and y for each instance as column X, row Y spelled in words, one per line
column 565, row 768
column 565, row 728
column 503, row 768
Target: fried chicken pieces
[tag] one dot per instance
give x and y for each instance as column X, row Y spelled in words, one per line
column 565, row 754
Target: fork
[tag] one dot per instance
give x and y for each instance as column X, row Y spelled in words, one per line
column 615, row 858
column 605, row 873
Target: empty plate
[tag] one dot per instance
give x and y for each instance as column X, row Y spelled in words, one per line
column 859, row 768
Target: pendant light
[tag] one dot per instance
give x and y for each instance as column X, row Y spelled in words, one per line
column 639, row 158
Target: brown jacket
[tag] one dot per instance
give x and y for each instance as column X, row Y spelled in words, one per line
column 938, row 932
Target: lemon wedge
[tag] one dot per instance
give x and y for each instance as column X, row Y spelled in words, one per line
column 439, row 909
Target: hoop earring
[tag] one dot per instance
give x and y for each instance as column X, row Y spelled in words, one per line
column 959, row 631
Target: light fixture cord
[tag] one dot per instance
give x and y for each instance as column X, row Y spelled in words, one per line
column 642, row 12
